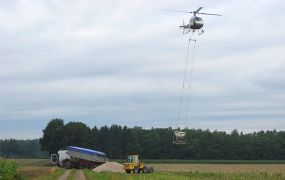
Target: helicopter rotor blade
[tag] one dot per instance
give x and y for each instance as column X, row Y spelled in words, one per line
column 193, row 12
column 197, row 11
column 178, row 11
column 209, row 14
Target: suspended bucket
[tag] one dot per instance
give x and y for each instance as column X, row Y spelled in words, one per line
column 179, row 137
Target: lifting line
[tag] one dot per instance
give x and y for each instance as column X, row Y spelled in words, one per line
column 184, row 79
column 190, row 80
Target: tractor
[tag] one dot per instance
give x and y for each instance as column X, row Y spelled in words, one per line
column 134, row 165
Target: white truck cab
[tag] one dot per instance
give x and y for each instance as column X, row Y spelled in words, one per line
column 59, row 158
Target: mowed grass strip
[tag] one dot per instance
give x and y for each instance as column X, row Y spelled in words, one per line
column 90, row 175
column 72, row 175
column 53, row 175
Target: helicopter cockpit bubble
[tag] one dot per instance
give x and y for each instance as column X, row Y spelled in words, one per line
column 196, row 23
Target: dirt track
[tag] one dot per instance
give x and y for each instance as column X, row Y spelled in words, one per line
column 79, row 175
column 65, row 175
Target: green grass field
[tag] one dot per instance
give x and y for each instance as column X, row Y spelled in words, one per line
column 181, row 161
column 164, row 170
column 90, row 175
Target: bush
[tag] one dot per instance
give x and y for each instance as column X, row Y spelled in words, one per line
column 7, row 169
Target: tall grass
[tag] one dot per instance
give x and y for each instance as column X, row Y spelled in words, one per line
column 8, row 169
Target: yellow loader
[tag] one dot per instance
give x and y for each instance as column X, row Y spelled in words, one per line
column 134, row 165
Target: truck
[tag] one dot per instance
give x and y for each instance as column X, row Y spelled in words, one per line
column 78, row 157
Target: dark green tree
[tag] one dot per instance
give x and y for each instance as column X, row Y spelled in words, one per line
column 103, row 139
column 52, row 139
column 115, row 136
column 77, row 134
column 94, row 137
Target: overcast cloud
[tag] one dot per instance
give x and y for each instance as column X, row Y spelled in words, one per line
column 122, row 62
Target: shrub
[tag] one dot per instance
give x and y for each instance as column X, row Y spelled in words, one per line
column 7, row 169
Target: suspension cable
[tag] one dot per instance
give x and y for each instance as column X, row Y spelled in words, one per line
column 183, row 84
column 190, row 80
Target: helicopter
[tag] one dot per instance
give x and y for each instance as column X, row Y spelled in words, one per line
column 195, row 23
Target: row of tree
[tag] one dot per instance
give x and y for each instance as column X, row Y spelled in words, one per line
column 13, row 148
column 156, row 143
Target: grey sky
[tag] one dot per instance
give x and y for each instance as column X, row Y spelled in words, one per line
column 122, row 62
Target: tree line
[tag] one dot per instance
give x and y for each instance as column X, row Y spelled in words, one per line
column 12, row 148
column 156, row 143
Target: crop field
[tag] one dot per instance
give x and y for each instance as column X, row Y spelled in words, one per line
column 41, row 170
column 181, row 176
column 182, row 161
column 224, row 168
column 35, row 168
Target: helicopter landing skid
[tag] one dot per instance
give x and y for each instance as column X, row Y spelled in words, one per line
column 199, row 31
column 191, row 39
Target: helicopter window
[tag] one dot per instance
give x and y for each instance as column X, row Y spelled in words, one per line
column 198, row 19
